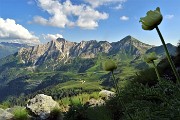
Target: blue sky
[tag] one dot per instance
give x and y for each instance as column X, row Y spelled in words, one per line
column 34, row 21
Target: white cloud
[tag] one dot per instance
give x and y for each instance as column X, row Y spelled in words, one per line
column 169, row 16
column 61, row 12
column 124, row 18
column 118, row 7
column 97, row 3
column 11, row 31
column 52, row 36
column 40, row 20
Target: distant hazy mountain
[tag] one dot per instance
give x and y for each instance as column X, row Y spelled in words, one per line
column 10, row 48
column 159, row 50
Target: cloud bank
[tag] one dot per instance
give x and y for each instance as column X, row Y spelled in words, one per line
column 11, row 31
column 52, row 36
column 63, row 14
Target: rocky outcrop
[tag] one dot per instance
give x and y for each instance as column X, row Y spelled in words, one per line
column 41, row 105
column 93, row 102
column 5, row 115
column 106, row 94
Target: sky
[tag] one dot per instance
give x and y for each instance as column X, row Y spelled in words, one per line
column 39, row 21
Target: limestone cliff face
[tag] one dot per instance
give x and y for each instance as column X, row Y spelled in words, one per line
column 89, row 49
column 131, row 46
column 63, row 50
column 56, row 49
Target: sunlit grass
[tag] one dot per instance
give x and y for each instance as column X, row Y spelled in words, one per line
column 20, row 114
column 79, row 99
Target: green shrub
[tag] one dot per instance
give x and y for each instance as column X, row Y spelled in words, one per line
column 98, row 113
column 94, row 95
column 77, row 112
column 20, row 114
column 161, row 101
column 115, row 108
column 5, row 104
column 146, row 77
column 56, row 114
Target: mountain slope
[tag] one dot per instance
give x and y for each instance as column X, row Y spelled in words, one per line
column 159, row 50
column 130, row 45
column 10, row 48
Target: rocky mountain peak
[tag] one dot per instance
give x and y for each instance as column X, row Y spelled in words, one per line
column 63, row 50
column 60, row 39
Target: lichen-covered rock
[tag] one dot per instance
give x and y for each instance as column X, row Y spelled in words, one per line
column 41, row 105
column 4, row 115
column 105, row 94
column 93, row 102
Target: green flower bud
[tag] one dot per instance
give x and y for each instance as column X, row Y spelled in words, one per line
column 110, row 65
column 150, row 57
column 152, row 19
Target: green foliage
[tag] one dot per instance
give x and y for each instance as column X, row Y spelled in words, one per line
column 158, row 102
column 20, row 114
column 115, row 108
column 94, row 95
column 77, row 64
column 79, row 99
column 98, row 113
column 5, row 104
column 77, row 112
column 146, row 77
column 56, row 114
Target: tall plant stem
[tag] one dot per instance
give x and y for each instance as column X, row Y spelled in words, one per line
column 157, row 73
column 168, row 56
column 118, row 95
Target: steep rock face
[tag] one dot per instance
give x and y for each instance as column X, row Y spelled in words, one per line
column 88, row 49
column 56, row 49
column 61, row 50
column 129, row 45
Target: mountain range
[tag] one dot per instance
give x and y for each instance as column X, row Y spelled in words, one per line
column 63, row 50
column 61, row 64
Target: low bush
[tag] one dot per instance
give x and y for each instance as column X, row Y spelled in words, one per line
column 77, row 112
column 56, row 114
column 146, row 77
column 20, row 114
